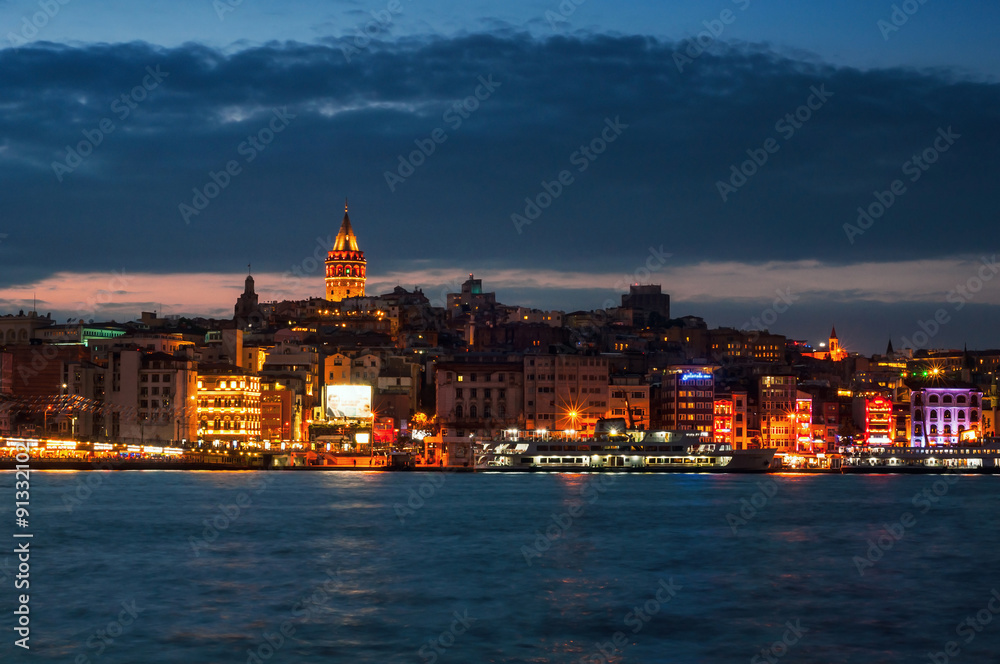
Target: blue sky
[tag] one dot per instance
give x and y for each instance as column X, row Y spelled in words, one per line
column 186, row 89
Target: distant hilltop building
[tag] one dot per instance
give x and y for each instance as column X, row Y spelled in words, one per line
column 345, row 265
column 833, row 352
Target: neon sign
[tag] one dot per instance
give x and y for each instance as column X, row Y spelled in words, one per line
column 691, row 376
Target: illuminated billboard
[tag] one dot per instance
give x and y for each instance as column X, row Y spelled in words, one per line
column 348, row 402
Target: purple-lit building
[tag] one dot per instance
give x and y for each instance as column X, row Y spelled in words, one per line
column 945, row 413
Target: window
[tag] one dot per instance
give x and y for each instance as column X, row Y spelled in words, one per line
column 473, row 411
column 458, row 411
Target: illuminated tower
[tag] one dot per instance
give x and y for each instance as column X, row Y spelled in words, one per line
column 836, row 352
column 345, row 265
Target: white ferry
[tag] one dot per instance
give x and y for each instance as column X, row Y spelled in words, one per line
column 609, row 450
column 959, row 459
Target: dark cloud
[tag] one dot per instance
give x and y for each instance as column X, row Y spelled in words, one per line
column 355, row 115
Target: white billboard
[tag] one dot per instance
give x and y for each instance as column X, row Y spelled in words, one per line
column 348, row 401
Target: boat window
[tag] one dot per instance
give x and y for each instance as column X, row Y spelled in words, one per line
column 543, row 448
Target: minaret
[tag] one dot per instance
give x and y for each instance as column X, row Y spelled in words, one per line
column 345, row 264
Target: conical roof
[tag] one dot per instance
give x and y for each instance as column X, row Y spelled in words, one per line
column 346, row 239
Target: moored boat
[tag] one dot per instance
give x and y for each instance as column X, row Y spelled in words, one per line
column 610, row 449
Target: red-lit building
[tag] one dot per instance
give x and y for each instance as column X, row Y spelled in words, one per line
column 722, row 425
column 384, row 431
column 879, row 425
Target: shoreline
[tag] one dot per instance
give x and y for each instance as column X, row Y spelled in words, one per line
column 126, row 465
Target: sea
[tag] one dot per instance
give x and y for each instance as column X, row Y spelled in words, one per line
column 262, row 567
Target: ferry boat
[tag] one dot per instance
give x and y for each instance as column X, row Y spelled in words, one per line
column 959, row 459
column 614, row 449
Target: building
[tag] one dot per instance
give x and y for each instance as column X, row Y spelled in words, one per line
column 649, row 306
column 345, row 265
column 150, row 397
column 741, row 423
column 722, row 424
column 630, row 399
column 472, row 299
column 565, row 392
column 876, row 419
column 229, row 407
column 20, row 329
column 833, row 350
column 778, row 403
column 276, row 412
column 945, row 412
column 685, row 399
column 337, row 369
column 479, row 397
column 728, row 345
column 6, row 392
column 804, row 438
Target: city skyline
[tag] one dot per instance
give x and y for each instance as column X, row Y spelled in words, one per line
column 446, row 129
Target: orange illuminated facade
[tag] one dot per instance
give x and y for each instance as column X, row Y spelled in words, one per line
column 803, row 421
column 228, row 404
column 345, row 265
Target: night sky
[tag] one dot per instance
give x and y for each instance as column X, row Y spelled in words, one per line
column 828, row 106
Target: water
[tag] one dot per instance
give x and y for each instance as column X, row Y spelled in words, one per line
column 369, row 567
